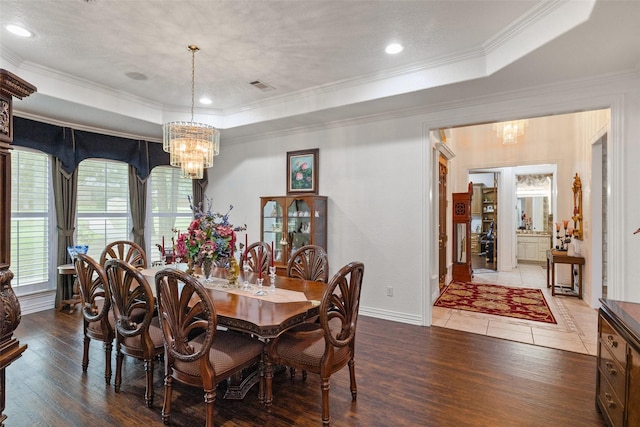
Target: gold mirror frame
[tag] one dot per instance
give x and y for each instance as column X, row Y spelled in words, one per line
column 577, row 207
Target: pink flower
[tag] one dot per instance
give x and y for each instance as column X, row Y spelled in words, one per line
column 298, row 176
column 304, row 166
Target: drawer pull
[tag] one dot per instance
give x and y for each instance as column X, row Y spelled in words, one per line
column 610, row 402
column 612, row 343
column 611, row 369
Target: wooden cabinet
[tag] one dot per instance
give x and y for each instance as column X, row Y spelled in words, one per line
column 533, row 247
column 476, row 199
column 489, row 209
column 290, row 222
column 618, row 374
column 461, row 218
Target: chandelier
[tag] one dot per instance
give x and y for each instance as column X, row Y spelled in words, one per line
column 191, row 146
column 510, row 131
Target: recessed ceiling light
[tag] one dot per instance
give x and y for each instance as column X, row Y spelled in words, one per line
column 19, row 31
column 206, row 101
column 394, row 48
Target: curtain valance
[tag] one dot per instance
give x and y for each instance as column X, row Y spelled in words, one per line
column 72, row 146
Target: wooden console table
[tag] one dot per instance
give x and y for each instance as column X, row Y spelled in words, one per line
column 561, row 257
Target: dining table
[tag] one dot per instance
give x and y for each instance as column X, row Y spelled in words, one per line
column 293, row 302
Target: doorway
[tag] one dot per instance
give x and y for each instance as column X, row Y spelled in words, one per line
column 484, row 221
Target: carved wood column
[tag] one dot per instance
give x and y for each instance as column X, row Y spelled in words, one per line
column 10, row 348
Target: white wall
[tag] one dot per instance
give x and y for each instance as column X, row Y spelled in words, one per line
column 378, row 175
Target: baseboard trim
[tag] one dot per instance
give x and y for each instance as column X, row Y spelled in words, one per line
column 40, row 301
column 391, row 315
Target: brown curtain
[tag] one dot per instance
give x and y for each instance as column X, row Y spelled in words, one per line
column 138, row 202
column 65, row 187
column 198, row 188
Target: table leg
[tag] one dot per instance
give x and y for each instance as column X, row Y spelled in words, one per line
column 548, row 284
column 553, row 279
column 580, row 281
column 268, row 383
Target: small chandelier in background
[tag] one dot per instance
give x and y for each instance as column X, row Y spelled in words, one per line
column 510, row 131
column 191, row 145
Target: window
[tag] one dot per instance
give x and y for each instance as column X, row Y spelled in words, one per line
column 30, row 220
column 169, row 206
column 103, row 204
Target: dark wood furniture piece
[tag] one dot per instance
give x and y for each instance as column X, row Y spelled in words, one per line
column 291, row 222
column 330, row 345
column 98, row 323
column 461, row 250
column 258, row 256
column 561, row 257
column 195, row 352
column 618, row 375
column 10, row 349
column 309, row 262
column 125, row 250
column 69, row 269
column 138, row 332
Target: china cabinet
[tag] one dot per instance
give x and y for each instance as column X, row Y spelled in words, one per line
column 290, row 222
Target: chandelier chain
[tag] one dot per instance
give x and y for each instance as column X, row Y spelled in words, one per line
column 193, row 50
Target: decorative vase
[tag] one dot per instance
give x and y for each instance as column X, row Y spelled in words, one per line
column 190, row 269
column 207, row 264
column 233, row 271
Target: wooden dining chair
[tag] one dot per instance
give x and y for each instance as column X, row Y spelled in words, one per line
column 330, row 345
column 195, row 352
column 310, row 262
column 254, row 259
column 138, row 332
column 125, row 250
column 98, row 323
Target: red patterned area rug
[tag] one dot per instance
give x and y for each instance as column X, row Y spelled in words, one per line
column 521, row 303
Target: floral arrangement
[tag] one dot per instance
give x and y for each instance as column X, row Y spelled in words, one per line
column 210, row 236
column 301, row 175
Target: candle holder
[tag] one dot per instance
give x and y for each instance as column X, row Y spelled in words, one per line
column 272, row 278
column 563, row 241
column 260, row 292
column 246, row 270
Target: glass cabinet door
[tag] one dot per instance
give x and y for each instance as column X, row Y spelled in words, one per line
column 298, row 224
column 272, row 223
column 319, row 225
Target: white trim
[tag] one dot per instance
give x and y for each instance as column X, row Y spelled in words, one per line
column 39, row 301
column 394, row 316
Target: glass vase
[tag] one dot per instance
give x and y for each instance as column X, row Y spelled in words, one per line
column 207, row 265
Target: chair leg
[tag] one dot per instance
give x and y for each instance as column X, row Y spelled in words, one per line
column 119, row 357
column 292, row 372
column 148, row 393
column 325, row 401
column 352, row 378
column 209, row 400
column 166, row 407
column 108, row 346
column 85, row 354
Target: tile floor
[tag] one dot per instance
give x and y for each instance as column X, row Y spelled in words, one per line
column 575, row 331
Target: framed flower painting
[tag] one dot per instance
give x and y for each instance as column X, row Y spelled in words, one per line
column 302, row 171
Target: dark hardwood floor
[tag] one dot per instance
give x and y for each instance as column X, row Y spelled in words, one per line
column 407, row 376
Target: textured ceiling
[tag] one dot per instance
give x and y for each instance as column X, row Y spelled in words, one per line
column 324, row 59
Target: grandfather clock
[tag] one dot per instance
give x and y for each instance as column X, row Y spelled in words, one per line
column 462, row 235
column 10, row 348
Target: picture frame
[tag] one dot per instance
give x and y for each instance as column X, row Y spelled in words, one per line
column 302, row 171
